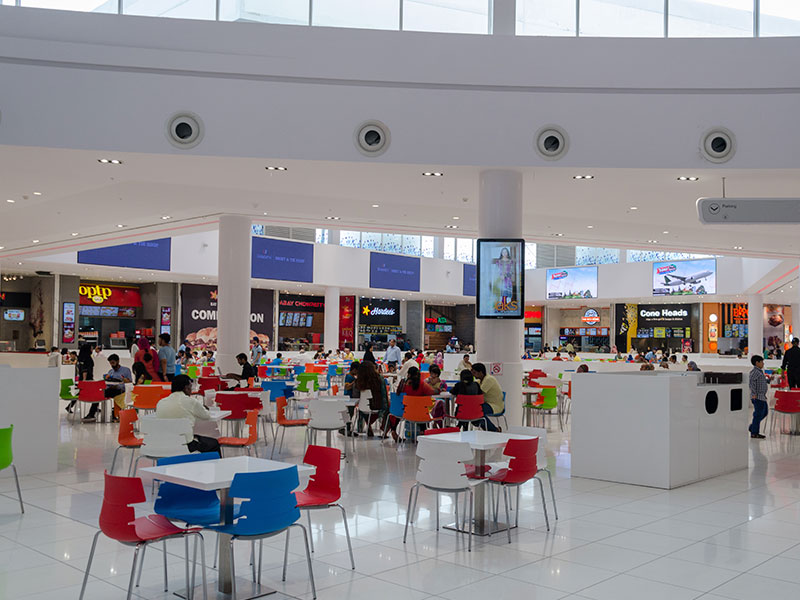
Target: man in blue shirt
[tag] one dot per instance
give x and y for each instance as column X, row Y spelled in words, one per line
column 120, row 374
column 393, row 355
column 166, row 356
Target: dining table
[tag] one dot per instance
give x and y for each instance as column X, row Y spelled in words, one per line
column 481, row 443
column 217, row 475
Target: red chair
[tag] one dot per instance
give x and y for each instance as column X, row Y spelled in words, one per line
column 535, row 374
column 786, row 403
column 521, row 468
column 90, row 392
column 469, row 409
column 118, row 521
column 470, row 468
column 207, row 372
column 209, row 383
column 263, row 371
column 323, row 490
column 126, row 437
column 243, row 442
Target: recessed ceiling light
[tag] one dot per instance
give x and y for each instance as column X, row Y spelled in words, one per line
column 10, row 201
column 330, row 218
column 376, row 206
column 590, row 227
column 37, row 193
column 456, row 218
column 652, row 241
column 265, row 214
column 737, row 248
column 665, row 232
column 432, row 174
column 1, row 247
column 75, row 233
column 165, row 218
column 451, row 226
column 120, row 226
column 276, row 168
column 558, row 234
column 35, row 241
column 688, row 178
column 634, row 208
column 19, row 263
column 109, row 161
column 583, row 177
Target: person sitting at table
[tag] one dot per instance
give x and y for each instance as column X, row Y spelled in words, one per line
column 434, row 380
column 248, row 372
column 692, row 366
column 492, row 394
column 120, row 374
column 409, row 362
column 558, row 356
column 464, row 364
column 139, row 373
column 368, row 379
column 465, row 386
column 148, row 357
column 180, row 404
column 647, row 367
column 84, row 370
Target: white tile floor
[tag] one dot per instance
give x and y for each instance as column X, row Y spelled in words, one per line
column 732, row 537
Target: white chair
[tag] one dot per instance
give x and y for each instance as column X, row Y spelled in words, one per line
column 364, row 410
column 327, row 415
column 163, row 438
column 265, row 416
column 442, row 469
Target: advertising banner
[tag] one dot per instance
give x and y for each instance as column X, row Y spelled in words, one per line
column 103, row 294
column 501, row 279
column 282, row 259
column 153, row 254
column 347, row 321
column 470, row 285
column 774, row 325
column 199, row 316
column 379, row 312
column 571, row 283
column 685, row 277
column 393, row 272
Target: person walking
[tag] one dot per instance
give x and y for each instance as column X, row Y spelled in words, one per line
column 791, row 364
column 758, row 395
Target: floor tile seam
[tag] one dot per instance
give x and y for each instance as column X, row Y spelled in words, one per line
column 748, row 571
column 699, row 593
column 458, row 587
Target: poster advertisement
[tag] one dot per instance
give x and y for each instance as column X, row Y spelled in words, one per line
column 501, row 279
column 774, row 326
column 166, row 316
column 69, row 312
column 347, row 321
column 685, row 277
column 68, row 333
column 199, row 316
column 571, row 283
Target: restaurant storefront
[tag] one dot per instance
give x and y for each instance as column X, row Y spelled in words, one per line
column 641, row 327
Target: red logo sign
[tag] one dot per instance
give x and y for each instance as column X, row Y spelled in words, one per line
column 93, row 294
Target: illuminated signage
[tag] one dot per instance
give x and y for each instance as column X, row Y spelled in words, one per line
column 109, row 295
column 434, row 320
column 591, row 317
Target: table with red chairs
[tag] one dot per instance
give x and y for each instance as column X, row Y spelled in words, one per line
column 787, row 402
column 218, row 475
column 481, row 442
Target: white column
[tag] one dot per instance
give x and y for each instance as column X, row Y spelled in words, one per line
column 755, row 325
column 233, row 299
column 331, row 333
column 795, row 311
column 501, row 340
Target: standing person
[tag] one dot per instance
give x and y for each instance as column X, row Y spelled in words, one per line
column 147, row 356
column 120, row 374
column 392, row 357
column 492, row 394
column 791, row 364
column 166, row 357
column 134, row 349
column 758, row 395
column 368, row 355
column 54, row 357
column 256, row 352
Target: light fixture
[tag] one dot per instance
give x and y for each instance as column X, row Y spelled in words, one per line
column 583, row 177
column 432, row 174
column 35, row 241
column 10, row 201
column 652, row 241
column 265, row 214
column 665, row 232
column 1, row 247
column 737, row 248
column 276, row 168
column 634, row 208
column 685, row 178
column 37, row 193
column 331, row 218
column 120, row 225
column 451, row 226
column 590, row 227
column 109, row 161
column 712, row 317
column 165, row 218
column 75, row 233
column 558, row 234
column 376, row 206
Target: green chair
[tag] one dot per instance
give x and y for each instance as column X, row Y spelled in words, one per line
column 307, row 382
column 7, row 459
column 66, row 390
column 192, row 371
column 549, row 403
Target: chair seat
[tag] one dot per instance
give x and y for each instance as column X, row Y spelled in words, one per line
column 200, row 515
column 506, row 476
column 472, row 473
column 154, row 527
column 131, row 443
column 294, row 422
column 233, row 441
column 305, row 500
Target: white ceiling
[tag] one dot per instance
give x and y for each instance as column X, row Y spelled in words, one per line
column 81, row 195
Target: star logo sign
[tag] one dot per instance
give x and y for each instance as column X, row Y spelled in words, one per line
column 213, row 294
column 365, row 310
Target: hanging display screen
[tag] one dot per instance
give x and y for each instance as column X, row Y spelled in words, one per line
column 571, row 283
column 501, row 279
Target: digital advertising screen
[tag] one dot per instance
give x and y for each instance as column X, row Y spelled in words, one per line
column 393, row 272
column 14, row 314
column 501, row 279
column 572, row 282
column 685, row 277
column 153, row 255
column 470, row 280
column 281, row 259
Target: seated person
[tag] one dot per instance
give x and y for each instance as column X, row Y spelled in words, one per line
column 464, row 364
column 117, row 392
column 139, row 373
column 181, row 405
column 408, row 363
column 350, row 388
column 248, row 371
column 434, row 380
column 558, row 356
column 492, row 394
column 647, row 367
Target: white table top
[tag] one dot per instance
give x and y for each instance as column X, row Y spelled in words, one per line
column 218, row 474
column 443, row 396
column 480, row 440
column 346, row 400
column 215, row 415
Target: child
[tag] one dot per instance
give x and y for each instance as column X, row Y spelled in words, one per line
column 758, row 396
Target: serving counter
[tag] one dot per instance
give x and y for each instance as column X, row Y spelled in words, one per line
column 659, row 429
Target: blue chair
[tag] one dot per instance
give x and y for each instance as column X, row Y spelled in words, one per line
column 182, row 503
column 333, row 371
column 299, row 369
column 424, row 368
column 396, row 409
column 269, row 508
column 277, row 389
column 501, row 414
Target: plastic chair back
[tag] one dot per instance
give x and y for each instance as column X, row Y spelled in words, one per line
column 523, row 464
column 207, row 372
column 541, row 449
column 208, row 383
column 298, row 370
column 364, row 397
column 192, row 371
column 269, row 503
column 6, row 453
column 333, row 371
column 431, row 431
column 335, row 390
column 165, row 437
column 441, row 465
column 549, row 398
column 91, row 391
column 424, row 368
column 117, row 515
column 325, row 480
column 469, row 408
column 175, row 501
column 126, row 436
column 417, row 408
column 327, row 414
column 65, row 393
column 239, row 403
column 280, row 410
column 147, row 397
column 252, row 422
column 787, row 401
column 397, row 405
column 263, row 371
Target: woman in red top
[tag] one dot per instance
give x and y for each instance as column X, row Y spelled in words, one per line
column 146, row 352
column 415, row 386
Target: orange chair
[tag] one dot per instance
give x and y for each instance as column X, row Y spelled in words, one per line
column 284, row 423
column 90, row 392
column 417, row 410
column 243, row 442
column 126, row 437
column 147, row 397
column 335, row 390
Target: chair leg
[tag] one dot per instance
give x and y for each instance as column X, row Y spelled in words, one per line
column 285, row 554
column 516, row 512
column 347, row 534
column 414, row 508
column 233, row 571
column 89, row 565
column 216, row 551
column 189, row 589
column 202, row 566
column 253, row 558
column 19, row 493
column 408, row 512
column 130, row 465
column 455, row 508
column 260, row 556
column 133, row 571
column 437, row 511
column 141, row 563
column 114, row 461
column 308, row 514
column 508, row 516
column 166, row 576
column 552, row 492
column 471, row 522
column 308, row 560
column 544, row 506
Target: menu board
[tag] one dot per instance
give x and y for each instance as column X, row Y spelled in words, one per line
column 582, row 331
column 659, row 332
column 592, row 331
column 89, row 311
column 69, row 312
column 127, row 311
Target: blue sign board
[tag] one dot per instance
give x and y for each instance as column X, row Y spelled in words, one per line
column 393, row 272
column 283, row 260
column 470, row 280
column 153, row 254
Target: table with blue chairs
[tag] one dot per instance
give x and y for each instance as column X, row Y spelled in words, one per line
column 231, row 478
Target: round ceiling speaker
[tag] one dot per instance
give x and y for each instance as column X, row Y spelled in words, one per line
column 372, row 138
column 718, row 145
column 552, row 142
column 185, row 130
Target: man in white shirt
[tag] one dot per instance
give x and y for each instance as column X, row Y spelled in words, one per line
column 181, row 405
column 407, row 364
